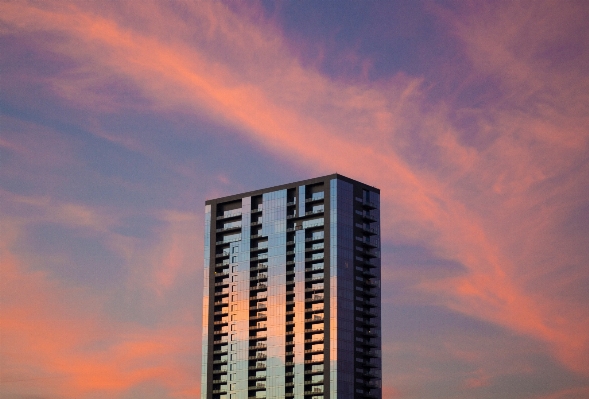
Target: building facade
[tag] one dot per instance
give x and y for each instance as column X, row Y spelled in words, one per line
column 291, row 305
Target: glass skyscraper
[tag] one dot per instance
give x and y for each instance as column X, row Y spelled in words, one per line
column 291, row 305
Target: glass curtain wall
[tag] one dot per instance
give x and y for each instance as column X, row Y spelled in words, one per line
column 274, row 227
column 342, row 289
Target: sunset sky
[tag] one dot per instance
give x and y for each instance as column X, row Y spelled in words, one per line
column 119, row 119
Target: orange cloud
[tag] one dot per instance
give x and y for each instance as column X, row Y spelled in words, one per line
column 489, row 207
column 56, row 340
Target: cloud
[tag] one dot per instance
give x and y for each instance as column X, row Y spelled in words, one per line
column 486, row 186
column 58, row 338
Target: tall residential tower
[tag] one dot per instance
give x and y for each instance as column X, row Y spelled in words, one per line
column 291, row 305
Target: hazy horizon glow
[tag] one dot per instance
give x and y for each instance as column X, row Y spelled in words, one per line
column 118, row 121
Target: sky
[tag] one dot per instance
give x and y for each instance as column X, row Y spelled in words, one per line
column 119, row 119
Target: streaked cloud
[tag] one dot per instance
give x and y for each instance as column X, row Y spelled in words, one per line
column 490, row 177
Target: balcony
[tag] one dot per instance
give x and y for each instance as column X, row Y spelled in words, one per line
column 258, row 327
column 259, row 386
column 259, row 356
column 261, row 266
column 314, row 371
column 258, row 287
column 315, row 197
column 222, row 254
column 220, row 370
column 258, row 366
column 228, row 241
column 314, row 212
column 372, row 253
column 370, row 230
column 368, row 204
column 262, row 296
column 367, row 216
column 221, row 293
column 259, row 276
column 315, row 319
column 366, row 241
column 228, row 215
column 221, row 331
column 259, row 257
column 257, row 337
column 315, row 310
column 259, row 248
column 315, row 298
column 315, row 340
column 259, row 316
column 229, row 228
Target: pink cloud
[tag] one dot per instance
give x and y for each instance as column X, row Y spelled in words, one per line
column 495, row 209
column 57, row 340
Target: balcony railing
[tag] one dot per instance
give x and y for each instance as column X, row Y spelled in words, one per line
column 315, row 197
column 226, row 228
column 229, row 215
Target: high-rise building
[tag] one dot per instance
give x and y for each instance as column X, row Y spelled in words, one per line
column 291, row 305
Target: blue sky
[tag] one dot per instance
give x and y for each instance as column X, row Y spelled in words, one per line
column 117, row 122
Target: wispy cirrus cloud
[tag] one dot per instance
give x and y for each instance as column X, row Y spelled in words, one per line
column 486, row 177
